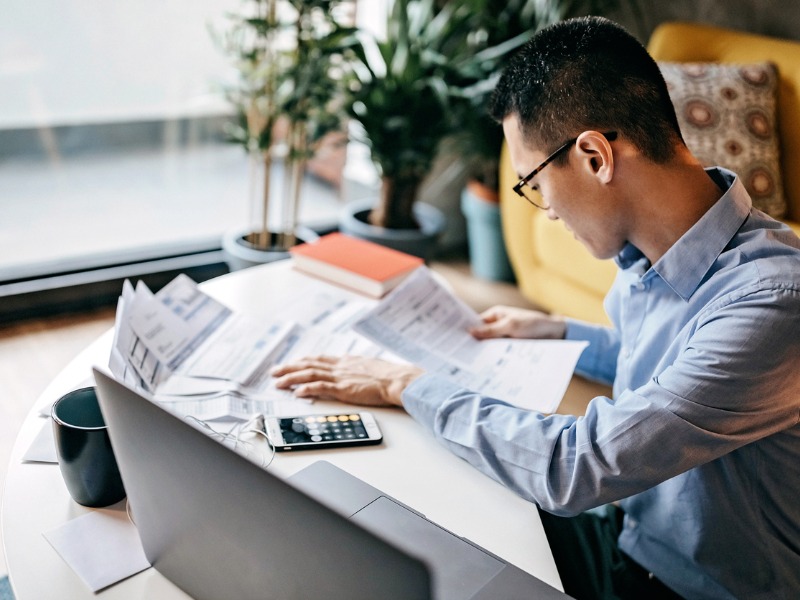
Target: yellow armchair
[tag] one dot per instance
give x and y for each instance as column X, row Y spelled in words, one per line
column 553, row 270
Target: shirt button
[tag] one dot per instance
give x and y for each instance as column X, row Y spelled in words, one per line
column 640, row 286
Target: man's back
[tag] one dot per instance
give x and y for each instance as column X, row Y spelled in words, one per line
column 709, row 338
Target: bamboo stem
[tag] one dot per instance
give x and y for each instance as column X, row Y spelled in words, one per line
column 269, row 90
column 263, row 235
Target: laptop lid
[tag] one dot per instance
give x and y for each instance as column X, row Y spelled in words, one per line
column 460, row 568
column 219, row 526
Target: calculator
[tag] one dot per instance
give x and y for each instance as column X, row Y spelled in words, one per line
column 323, row 431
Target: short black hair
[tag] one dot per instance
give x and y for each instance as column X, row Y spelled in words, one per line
column 588, row 73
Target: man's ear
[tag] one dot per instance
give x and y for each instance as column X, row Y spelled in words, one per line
column 596, row 154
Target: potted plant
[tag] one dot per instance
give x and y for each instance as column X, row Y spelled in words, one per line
column 292, row 61
column 403, row 99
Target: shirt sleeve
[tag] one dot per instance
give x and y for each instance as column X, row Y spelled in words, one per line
column 735, row 382
column 599, row 360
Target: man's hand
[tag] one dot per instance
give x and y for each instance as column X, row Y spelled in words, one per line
column 507, row 321
column 351, row 379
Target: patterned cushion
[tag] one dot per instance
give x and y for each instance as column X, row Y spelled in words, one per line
column 727, row 117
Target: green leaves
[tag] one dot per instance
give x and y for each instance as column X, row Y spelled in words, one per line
column 431, row 77
column 404, row 86
column 292, row 57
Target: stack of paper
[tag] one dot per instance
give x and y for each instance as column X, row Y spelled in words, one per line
column 203, row 359
column 196, row 354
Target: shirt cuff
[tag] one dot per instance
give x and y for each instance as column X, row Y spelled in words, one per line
column 598, row 361
column 423, row 397
column 578, row 330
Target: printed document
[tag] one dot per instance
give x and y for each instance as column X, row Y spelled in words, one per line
column 422, row 322
column 199, row 358
column 202, row 359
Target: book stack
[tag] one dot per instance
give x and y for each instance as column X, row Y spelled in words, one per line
column 359, row 265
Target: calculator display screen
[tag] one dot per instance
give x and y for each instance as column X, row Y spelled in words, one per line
column 319, row 429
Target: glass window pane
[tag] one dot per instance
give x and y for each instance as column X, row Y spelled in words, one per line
column 111, row 140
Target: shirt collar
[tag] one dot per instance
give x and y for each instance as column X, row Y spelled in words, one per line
column 685, row 264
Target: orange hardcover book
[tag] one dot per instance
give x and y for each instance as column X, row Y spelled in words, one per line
column 357, row 264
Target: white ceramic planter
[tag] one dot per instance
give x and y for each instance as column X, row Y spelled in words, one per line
column 240, row 254
column 419, row 242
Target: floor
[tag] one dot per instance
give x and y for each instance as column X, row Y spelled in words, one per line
column 33, row 352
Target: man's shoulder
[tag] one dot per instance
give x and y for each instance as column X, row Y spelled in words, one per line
column 760, row 266
column 771, row 246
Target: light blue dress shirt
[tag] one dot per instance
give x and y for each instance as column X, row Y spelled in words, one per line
column 701, row 442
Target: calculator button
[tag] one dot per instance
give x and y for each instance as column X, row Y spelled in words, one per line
column 316, row 438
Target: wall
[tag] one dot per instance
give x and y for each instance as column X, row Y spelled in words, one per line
column 778, row 18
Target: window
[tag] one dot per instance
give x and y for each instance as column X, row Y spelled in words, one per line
column 111, row 143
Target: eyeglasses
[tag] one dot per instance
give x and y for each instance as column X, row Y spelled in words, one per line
column 522, row 184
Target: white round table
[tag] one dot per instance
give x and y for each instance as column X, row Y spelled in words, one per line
column 409, row 465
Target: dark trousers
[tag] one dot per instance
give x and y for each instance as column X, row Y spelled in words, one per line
column 590, row 563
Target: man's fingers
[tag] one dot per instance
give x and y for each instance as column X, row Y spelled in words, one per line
column 490, row 315
column 326, row 359
column 319, row 389
column 292, row 378
column 492, row 330
column 320, row 363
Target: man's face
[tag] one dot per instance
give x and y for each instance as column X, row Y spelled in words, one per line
column 571, row 192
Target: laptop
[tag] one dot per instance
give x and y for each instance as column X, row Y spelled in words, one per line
column 219, row 526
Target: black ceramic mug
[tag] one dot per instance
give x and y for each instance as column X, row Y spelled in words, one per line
column 84, row 451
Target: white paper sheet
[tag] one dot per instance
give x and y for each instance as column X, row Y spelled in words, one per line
column 43, row 448
column 125, row 341
column 240, row 351
column 170, row 326
column 203, row 360
column 318, row 306
column 425, row 324
column 102, row 547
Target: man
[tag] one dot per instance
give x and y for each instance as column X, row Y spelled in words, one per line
column 700, row 445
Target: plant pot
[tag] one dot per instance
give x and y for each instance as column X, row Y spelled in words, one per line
column 420, row 242
column 241, row 254
column 487, row 250
column 482, row 191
